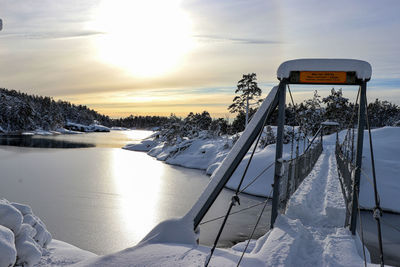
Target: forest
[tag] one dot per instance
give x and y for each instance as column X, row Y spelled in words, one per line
column 20, row 112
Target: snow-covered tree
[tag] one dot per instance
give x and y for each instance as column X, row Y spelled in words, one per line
column 337, row 108
column 268, row 138
column 312, row 115
column 383, row 113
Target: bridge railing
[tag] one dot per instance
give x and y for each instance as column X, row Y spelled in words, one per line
column 346, row 171
column 294, row 172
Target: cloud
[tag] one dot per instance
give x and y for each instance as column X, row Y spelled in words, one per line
column 50, row 35
column 211, row 38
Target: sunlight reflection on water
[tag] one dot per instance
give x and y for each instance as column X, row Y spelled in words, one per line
column 134, row 185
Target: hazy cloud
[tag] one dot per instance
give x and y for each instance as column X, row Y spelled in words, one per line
column 50, row 35
column 211, row 38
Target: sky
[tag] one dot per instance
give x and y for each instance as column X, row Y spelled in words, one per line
column 158, row 57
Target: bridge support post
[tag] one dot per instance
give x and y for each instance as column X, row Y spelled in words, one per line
column 279, row 149
column 360, row 141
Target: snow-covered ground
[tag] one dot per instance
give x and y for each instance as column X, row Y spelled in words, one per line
column 208, row 153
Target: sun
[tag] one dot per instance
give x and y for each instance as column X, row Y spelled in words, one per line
column 146, row 38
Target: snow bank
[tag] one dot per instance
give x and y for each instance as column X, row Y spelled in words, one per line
column 386, row 144
column 86, row 128
column 179, row 231
column 21, row 234
column 144, row 146
column 198, row 153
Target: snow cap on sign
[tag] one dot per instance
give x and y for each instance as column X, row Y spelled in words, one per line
column 362, row 68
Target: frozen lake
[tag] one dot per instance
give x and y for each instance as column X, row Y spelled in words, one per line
column 100, row 192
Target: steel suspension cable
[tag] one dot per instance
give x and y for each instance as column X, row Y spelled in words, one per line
column 256, row 178
column 254, row 229
column 234, row 212
column 377, row 208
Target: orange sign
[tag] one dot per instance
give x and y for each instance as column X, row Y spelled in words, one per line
column 322, row 77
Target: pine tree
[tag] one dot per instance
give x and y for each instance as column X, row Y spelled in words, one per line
column 249, row 94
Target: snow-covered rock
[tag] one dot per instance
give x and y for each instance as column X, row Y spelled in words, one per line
column 144, row 146
column 23, row 236
column 86, row 128
column 28, row 251
column 10, row 216
column 8, row 253
column 66, row 131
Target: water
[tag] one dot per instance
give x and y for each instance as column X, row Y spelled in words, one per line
column 390, row 236
column 102, row 198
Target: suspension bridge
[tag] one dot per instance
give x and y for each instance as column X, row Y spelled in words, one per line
column 315, row 196
column 289, row 174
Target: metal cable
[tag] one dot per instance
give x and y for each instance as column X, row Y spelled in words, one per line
column 377, row 208
column 254, row 229
column 235, row 212
column 258, row 176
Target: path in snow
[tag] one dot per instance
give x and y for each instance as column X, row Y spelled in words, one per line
column 311, row 232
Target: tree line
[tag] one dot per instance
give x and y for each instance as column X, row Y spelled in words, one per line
column 20, row 111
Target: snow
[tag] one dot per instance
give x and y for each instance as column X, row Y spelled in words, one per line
column 330, row 123
column 66, row 131
column 10, row 216
column 29, row 252
column 21, row 233
column 172, row 231
column 8, row 253
column 386, row 145
column 86, row 128
column 362, row 68
column 145, row 145
column 59, row 253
